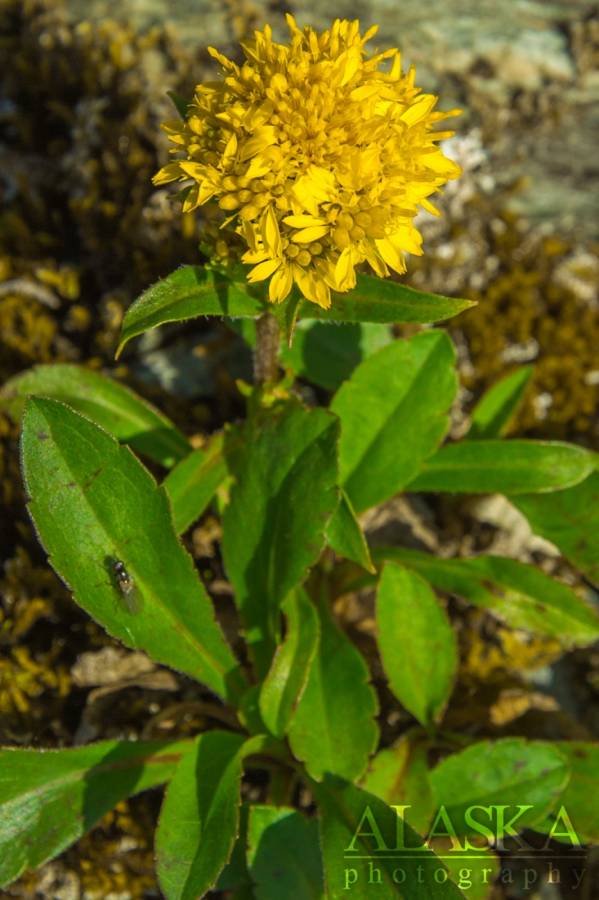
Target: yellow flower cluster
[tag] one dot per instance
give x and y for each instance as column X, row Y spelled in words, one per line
column 319, row 157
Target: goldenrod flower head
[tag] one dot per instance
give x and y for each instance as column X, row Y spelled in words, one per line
column 317, row 156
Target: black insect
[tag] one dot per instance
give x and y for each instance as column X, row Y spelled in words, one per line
column 126, row 586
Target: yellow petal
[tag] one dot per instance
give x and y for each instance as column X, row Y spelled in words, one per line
column 430, row 207
column 254, row 256
column 348, row 64
column 441, row 135
column 167, row 173
column 257, row 167
column 279, row 82
column 223, row 60
column 307, row 235
column 303, row 221
column 324, row 179
column 392, row 256
column 269, row 230
column 312, row 288
column 315, row 187
column 191, row 200
column 418, row 110
column 395, row 70
column 325, row 270
column 262, row 138
column 280, row 284
column 205, row 192
column 322, row 294
column 365, row 91
column 263, row 270
column 344, row 271
column 175, row 131
column 441, row 165
column 292, row 24
column 303, row 192
column 375, row 261
column 196, row 124
column 369, row 33
column 193, row 169
column 250, row 235
column 407, row 239
column 230, row 150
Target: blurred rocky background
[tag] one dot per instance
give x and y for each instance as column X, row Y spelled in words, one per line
column 83, row 232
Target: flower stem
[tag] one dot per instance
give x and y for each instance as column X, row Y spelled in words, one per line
column 266, row 354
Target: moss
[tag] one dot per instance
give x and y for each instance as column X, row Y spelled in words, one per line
column 90, row 108
column 536, row 304
column 115, row 859
column 532, row 307
column 28, row 334
column 23, row 678
column 490, row 657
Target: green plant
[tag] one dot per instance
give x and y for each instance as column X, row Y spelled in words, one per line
column 337, row 811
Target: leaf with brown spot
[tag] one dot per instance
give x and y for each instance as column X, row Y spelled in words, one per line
column 50, row 798
column 117, row 512
column 521, row 595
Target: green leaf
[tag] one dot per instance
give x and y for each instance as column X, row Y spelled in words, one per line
column 570, row 520
column 193, row 482
column 399, row 776
column 106, row 402
column 243, row 892
column 248, row 711
column 359, row 831
column 191, row 291
column 327, row 354
column 187, row 293
column 284, row 855
column 284, row 685
column 511, row 772
column 50, row 798
column 94, row 504
column 577, row 810
column 245, row 329
column 179, row 102
column 235, row 874
column 387, row 302
column 273, row 528
column 521, row 595
column 496, row 408
column 200, row 815
column 333, row 729
column 346, row 537
column 416, row 643
column 506, row 467
column 394, row 413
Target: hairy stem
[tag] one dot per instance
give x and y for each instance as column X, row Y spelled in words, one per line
column 266, row 355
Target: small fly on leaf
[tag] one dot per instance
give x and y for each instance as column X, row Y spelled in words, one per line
column 126, row 586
